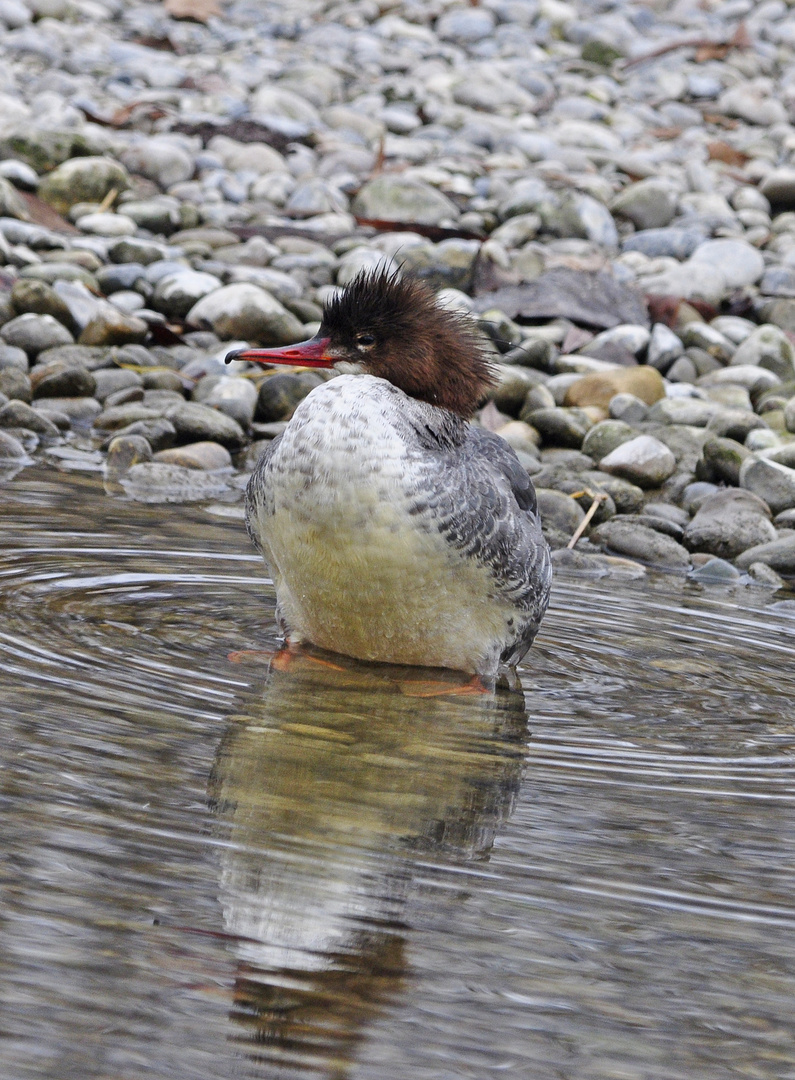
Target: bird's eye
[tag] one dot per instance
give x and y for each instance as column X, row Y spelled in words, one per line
column 364, row 341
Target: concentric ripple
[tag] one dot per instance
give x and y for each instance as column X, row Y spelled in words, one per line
column 210, row 870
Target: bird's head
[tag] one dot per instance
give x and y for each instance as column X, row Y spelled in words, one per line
column 392, row 327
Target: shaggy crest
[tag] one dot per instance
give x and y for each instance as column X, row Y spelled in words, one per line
column 393, row 327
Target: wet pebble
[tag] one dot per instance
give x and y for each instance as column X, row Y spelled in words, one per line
column 11, row 448
column 159, row 482
column 537, row 192
column 35, row 333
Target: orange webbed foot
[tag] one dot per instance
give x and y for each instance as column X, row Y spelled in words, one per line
column 427, row 688
column 293, row 651
column 243, row 656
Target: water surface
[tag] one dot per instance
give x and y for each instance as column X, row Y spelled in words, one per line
column 213, row 869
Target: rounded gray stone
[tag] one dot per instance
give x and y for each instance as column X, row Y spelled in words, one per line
column 231, row 395
column 628, row 408
column 120, row 416
column 158, row 432
column 723, row 459
column 728, row 523
column 158, row 482
column 31, row 295
column 245, row 311
column 82, row 179
column 200, row 423
column 690, row 411
column 715, row 572
column 558, row 511
column 15, row 384
column 206, row 456
column 767, row 347
column 770, row 481
column 740, row 262
column 642, row 543
column 778, row 554
column 649, row 204
column 604, row 437
column 59, row 379
column 124, row 452
column 560, row 426
column 18, row 414
column 766, row 576
column 396, row 198
column 664, row 347
column 11, row 356
column 465, row 25
column 113, row 380
column 644, row 461
column 11, row 449
column 278, row 396
column 159, row 160
column 35, row 333
column 112, row 327
column 778, row 187
column 175, row 294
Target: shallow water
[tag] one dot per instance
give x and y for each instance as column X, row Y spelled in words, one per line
column 210, row 870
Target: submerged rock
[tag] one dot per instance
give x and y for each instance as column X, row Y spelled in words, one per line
column 728, row 523
column 157, row 482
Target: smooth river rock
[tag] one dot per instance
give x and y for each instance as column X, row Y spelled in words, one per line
column 728, row 523
column 644, row 461
column 642, row 543
column 242, row 310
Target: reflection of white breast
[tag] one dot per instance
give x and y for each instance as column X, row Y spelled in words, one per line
column 358, row 568
column 302, row 927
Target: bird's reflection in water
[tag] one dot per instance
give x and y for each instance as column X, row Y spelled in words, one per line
column 335, row 782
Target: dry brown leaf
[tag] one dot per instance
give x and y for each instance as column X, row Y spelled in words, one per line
column 491, row 418
column 193, row 10
column 665, row 132
column 729, row 155
column 711, row 52
column 575, row 338
column 41, row 214
column 721, row 121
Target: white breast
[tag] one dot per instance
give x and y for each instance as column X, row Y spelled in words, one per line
column 355, row 571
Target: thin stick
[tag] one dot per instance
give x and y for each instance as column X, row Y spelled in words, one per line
column 740, row 39
column 600, row 498
column 107, row 202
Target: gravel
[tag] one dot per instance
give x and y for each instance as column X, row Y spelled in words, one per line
column 617, row 211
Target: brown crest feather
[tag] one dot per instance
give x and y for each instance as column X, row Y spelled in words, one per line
column 430, row 353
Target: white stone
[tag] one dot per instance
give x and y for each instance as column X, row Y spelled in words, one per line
column 739, row 263
column 247, row 311
column 644, row 461
column 160, row 160
column 106, row 224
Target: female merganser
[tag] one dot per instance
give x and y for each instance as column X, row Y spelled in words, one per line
column 395, row 530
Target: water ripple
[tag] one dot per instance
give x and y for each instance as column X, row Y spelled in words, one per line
column 212, row 870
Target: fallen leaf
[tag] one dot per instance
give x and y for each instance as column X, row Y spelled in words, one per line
column 192, row 10
column 711, row 52
column 729, row 155
column 721, row 121
column 244, row 131
column 42, row 214
column 665, row 309
column 665, row 132
column 491, row 418
column 433, row 232
column 575, row 338
column 162, row 44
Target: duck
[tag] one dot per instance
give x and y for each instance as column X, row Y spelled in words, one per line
column 395, row 529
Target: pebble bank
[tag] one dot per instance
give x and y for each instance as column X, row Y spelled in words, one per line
column 607, row 188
